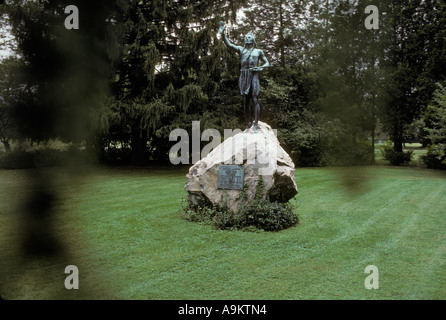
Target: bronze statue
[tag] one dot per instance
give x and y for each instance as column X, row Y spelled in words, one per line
column 249, row 75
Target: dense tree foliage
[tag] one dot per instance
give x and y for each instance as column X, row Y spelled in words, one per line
column 170, row 71
column 414, row 60
column 136, row 70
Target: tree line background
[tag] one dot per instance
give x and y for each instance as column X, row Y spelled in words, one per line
column 136, row 70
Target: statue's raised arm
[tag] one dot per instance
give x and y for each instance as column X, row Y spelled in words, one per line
column 221, row 30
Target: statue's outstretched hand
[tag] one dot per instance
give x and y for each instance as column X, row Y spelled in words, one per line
column 257, row 69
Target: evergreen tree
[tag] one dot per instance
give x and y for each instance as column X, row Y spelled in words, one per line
column 434, row 124
column 171, row 65
column 414, row 48
column 326, row 77
column 278, row 26
column 287, row 89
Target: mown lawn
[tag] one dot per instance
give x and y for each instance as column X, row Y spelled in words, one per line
column 122, row 229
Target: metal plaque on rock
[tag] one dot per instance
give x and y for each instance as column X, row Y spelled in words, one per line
column 230, row 177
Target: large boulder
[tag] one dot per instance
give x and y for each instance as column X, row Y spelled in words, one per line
column 260, row 154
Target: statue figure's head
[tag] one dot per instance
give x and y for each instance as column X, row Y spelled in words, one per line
column 250, row 39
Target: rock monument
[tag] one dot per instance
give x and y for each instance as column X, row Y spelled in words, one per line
column 256, row 155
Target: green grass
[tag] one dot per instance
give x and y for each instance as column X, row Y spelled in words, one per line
column 122, row 229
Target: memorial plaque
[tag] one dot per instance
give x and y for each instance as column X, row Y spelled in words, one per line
column 230, row 177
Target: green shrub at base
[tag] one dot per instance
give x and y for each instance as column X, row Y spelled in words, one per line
column 253, row 215
column 257, row 215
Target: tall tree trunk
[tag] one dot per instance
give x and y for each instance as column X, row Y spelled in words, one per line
column 398, row 139
column 281, row 36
